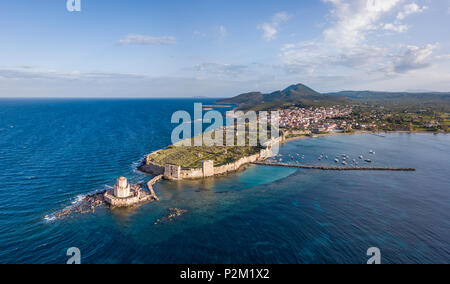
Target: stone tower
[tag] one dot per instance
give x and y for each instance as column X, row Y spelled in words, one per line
column 208, row 168
column 122, row 188
column 172, row 172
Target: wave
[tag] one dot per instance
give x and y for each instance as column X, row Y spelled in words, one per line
column 49, row 218
column 135, row 165
column 77, row 201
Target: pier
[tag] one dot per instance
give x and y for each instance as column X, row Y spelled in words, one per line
column 327, row 168
column 150, row 185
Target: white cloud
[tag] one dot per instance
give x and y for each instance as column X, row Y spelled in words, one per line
column 396, row 27
column 17, row 82
column 199, row 33
column 354, row 18
column 35, row 74
column 443, row 57
column 348, row 46
column 407, row 10
column 413, row 58
column 222, row 32
column 135, row 39
column 221, row 69
column 410, row 9
column 270, row 30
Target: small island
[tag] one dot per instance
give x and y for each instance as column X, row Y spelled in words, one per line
column 124, row 195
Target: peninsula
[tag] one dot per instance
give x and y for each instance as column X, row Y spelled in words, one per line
column 190, row 162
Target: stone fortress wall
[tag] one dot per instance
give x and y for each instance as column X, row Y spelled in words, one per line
column 173, row 172
column 124, row 194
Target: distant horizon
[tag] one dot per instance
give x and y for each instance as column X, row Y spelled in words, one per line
column 221, row 49
column 217, row 97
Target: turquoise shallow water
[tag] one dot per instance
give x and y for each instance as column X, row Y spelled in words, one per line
column 52, row 152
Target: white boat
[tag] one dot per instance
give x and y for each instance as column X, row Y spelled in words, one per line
column 337, row 160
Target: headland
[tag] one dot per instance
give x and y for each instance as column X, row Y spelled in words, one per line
column 190, row 162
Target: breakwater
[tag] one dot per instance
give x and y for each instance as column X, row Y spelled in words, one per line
column 150, row 185
column 327, row 168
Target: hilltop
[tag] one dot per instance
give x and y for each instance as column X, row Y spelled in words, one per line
column 299, row 95
column 303, row 96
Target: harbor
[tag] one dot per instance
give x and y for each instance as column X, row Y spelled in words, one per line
column 329, row 168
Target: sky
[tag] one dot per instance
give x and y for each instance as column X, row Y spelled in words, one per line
column 221, row 48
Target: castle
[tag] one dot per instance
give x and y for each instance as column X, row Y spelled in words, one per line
column 122, row 189
column 124, row 194
column 207, row 169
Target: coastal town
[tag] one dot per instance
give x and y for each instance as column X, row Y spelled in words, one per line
column 316, row 120
column 322, row 120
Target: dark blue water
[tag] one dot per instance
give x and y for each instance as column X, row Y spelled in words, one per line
column 52, row 152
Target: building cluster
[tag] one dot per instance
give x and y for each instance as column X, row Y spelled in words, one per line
column 317, row 120
column 432, row 124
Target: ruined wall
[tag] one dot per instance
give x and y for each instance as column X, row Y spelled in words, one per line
column 208, row 168
column 152, row 169
column 192, row 173
column 172, row 172
column 236, row 165
column 121, row 202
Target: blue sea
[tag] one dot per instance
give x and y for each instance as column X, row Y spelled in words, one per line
column 53, row 152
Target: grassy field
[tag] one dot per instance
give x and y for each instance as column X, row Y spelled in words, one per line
column 192, row 157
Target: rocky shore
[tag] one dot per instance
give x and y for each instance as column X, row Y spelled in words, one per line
column 173, row 213
column 87, row 205
column 139, row 194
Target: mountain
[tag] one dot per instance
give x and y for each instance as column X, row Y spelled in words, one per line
column 299, row 94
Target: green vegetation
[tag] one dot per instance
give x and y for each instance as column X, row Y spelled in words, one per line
column 192, row 157
column 293, row 135
column 380, row 118
column 399, row 101
column 302, row 96
column 296, row 95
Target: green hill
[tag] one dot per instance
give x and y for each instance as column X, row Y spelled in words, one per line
column 303, row 96
column 299, row 95
column 434, row 100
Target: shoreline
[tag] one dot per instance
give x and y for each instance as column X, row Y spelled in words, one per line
column 362, row 132
column 153, row 169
